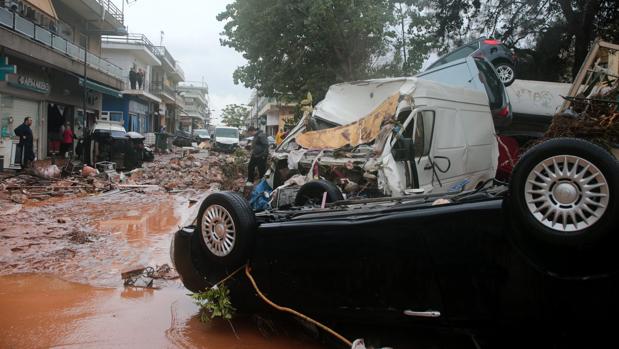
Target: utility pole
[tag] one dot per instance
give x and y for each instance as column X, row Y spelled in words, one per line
column 403, row 36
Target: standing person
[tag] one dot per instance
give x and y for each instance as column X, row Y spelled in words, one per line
column 26, row 143
column 279, row 137
column 133, row 77
column 140, row 78
column 259, row 153
column 67, row 139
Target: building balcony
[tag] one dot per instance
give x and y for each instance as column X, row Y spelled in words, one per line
column 169, row 64
column 24, row 37
column 167, row 93
column 102, row 14
column 138, row 44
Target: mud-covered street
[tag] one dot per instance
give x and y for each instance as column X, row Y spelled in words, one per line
column 61, row 261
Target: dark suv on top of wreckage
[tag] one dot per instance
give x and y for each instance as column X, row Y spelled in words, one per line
column 502, row 58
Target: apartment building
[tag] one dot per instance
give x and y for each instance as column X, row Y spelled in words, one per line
column 138, row 108
column 51, row 68
column 196, row 113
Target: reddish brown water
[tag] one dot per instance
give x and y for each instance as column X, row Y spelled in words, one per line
column 39, row 311
column 60, row 283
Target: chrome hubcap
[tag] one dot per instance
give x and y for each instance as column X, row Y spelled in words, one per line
column 218, row 230
column 566, row 193
column 505, row 73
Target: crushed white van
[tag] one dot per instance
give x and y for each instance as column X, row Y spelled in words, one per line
column 397, row 137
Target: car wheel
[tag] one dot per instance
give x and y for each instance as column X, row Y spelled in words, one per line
column 227, row 228
column 563, row 200
column 313, row 191
column 565, row 189
column 506, row 72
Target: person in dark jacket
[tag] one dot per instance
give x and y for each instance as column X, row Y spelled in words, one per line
column 25, row 148
column 133, row 77
column 259, row 153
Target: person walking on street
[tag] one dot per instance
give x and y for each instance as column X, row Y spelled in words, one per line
column 67, row 140
column 25, row 153
column 259, row 153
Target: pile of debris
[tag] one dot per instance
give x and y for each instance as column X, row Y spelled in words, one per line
column 591, row 110
column 46, row 181
column 213, row 172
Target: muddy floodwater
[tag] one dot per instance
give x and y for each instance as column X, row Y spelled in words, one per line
column 60, row 283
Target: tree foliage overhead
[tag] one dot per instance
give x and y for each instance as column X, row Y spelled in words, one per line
column 296, row 46
column 569, row 26
column 234, row 115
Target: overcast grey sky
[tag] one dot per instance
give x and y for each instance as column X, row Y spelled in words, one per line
column 191, row 34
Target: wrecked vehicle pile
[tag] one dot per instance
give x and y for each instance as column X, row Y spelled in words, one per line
column 400, row 137
column 395, row 217
column 537, row 257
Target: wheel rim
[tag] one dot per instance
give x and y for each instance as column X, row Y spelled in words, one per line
column 218, row 230
column 566, row 193
column 505, row 72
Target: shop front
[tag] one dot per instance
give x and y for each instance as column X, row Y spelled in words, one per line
column 22, row 94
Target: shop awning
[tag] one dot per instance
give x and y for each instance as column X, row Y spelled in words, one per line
column 100, row 88
column 44, row 6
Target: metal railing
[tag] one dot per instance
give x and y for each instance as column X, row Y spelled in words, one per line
column 44, row 36
column 146, row 86
column 160, row 87
column 112, row 9
column 131, row 39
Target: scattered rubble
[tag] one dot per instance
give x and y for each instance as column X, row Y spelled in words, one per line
column 213, row 172
column 173, row 172
column 591, row 110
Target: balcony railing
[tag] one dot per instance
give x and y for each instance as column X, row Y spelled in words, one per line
column 131, row 39
column 42, row 35
column 163, row 52
column 112, row 9
column 160, row 87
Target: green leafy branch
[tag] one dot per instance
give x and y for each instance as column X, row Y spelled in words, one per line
column 214, row 302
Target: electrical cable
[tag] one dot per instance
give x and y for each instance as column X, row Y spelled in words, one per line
column 292, row 311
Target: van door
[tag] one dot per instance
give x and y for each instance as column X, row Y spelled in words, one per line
column 422, row 138
column 417, row 171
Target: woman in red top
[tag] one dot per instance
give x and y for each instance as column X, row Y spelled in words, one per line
column 67, row 139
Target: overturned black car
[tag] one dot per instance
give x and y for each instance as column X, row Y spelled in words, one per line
column 535, row 258
column 109, row 142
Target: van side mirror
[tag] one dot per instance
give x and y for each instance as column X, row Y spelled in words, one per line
column 403, row 150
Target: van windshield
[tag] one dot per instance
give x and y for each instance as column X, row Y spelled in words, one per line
column 494, row 86
column 226, row 133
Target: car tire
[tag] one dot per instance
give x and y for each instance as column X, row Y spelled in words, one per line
column 227, row 228
column 563, row 205
column 312, row 192
column 541, row 182
column 506, row 72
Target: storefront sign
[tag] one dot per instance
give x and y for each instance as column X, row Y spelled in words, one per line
column 30, row 83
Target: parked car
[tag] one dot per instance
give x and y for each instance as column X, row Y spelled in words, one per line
column 477, row 73
column 537, row 258
column 201, row 135
column 502, row 58
column 226, row 138
column 182, row 139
